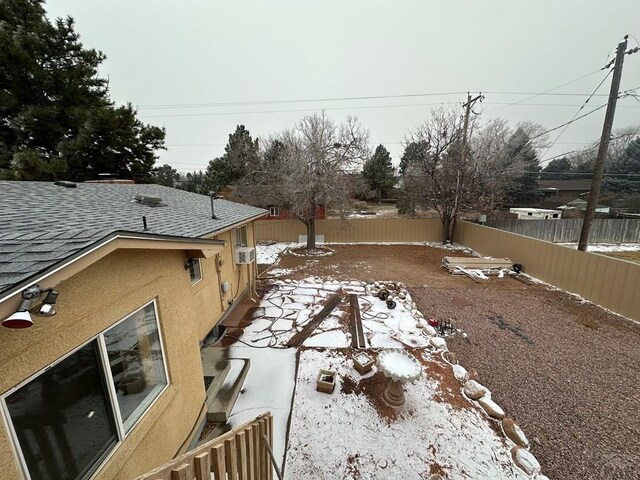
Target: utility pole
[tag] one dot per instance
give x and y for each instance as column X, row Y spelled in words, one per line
column 604, row 146
column 468, row 105
column 450, row 221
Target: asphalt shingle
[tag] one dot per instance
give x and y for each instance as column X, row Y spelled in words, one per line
column 42, row 223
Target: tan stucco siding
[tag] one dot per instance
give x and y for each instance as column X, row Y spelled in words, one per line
column 93, row 300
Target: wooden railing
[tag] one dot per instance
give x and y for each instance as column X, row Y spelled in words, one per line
column 240, row 454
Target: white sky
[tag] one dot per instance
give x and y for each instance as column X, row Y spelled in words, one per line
column 165, row 52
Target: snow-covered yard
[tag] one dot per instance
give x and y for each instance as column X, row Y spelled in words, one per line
column 607, row 247
column 352, row 432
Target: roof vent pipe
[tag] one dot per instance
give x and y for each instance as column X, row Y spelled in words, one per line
column 213, row 196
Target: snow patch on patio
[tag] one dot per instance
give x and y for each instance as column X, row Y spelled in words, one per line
column 268, row 387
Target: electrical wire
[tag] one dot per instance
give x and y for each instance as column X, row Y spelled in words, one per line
column 357, row 98
column 546, row 92
column 584, row 104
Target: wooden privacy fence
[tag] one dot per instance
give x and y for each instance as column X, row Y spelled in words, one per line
column 357, row 230
column 567, row 230
column 240, row 454
column 606, row 281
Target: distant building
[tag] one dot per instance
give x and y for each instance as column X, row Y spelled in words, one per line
column 276, row 210
column 535, row 213
column 580, row 204
column 565, row 188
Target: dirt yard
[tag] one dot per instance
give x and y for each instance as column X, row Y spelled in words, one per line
column 567, row 371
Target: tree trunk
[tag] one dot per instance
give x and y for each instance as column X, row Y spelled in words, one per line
column 311, row 233
column 446, row 222
column 452, row 228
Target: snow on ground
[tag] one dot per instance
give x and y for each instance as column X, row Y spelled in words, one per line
column 267, row 254
column 342, row 435
column 290, row 305
column 607, row 247
column 268, row 387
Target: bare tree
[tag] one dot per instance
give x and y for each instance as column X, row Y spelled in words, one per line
column 444, row 179
column 311, row 165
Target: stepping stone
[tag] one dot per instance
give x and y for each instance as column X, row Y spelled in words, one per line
column 513, row 431
column 525, row 460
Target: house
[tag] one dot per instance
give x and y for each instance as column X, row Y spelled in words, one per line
column 276, row 210
column 137, row 276
column 580, row 204
column 565, row 188
column 535, row 213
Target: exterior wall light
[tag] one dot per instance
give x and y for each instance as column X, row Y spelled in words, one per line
column 21, row 318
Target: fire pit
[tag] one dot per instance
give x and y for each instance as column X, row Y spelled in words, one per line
column 400, row 367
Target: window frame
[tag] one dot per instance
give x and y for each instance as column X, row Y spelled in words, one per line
column 103, row 359
column 236, row 242
column 274, row 209
column 193, row 261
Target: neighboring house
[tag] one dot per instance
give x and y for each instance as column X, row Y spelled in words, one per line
column 276, row 210
column 112, row 385
column 565, row 188
column 580, row 204
column 535, row 213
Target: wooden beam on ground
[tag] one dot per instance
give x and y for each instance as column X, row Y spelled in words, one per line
column 488, row 266
column 357, row 333
column 332, row 302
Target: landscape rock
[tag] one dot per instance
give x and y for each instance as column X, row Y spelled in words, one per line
column 473, row 375
column 491, row 407
column 524, row 459
column 460, row 373
column 429, row 330
column 474, row 390
column 438, row 342
column 452, row 359
column 513, row 431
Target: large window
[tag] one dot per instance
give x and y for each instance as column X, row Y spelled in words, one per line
column 68, row 418
column 137, row 368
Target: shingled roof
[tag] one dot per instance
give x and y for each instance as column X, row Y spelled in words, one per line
column 42, row 223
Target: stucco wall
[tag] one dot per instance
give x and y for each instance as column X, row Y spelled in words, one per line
column 90, row 302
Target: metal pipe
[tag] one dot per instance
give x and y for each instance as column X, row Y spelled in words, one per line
column 273, row 460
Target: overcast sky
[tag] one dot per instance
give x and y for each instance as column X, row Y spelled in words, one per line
column 203, row 52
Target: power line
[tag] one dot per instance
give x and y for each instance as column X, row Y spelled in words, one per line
column 342, row 99
column 584, row 104
column 362, row 107
column 546, row 92
column 568, row 123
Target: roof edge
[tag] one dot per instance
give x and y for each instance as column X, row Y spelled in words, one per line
column 117, row 239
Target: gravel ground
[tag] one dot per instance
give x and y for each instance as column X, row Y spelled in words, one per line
column 566, row 371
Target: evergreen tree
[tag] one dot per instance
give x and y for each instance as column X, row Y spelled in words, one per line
column 165, row 175
column 52, row 102
column 624, row 171
column 521, row 162
column 414, row 152
column 241, row 152
column 557, row 169
column 378, row 172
